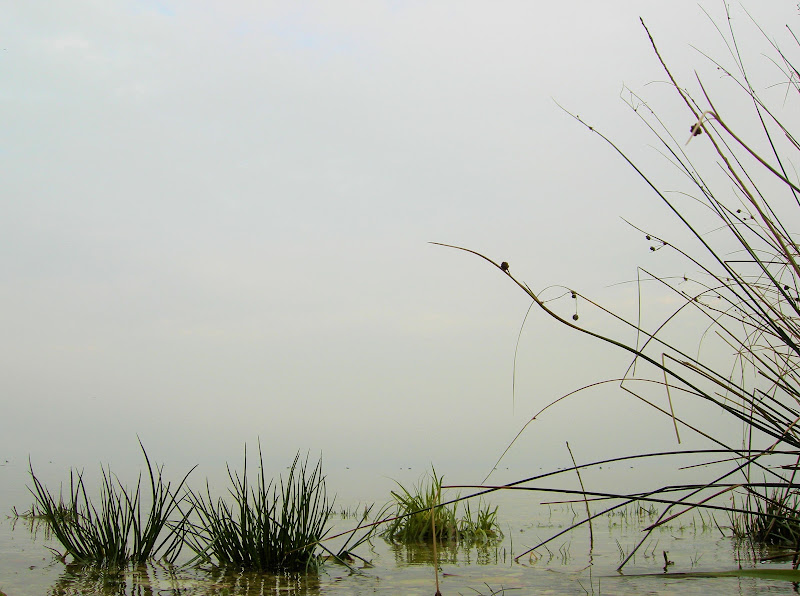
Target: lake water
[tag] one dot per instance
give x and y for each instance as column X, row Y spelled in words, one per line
column 567, row 565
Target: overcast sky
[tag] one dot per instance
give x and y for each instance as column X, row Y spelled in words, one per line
column 216, row 216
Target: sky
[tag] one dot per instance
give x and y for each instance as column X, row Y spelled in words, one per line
column 217, row 221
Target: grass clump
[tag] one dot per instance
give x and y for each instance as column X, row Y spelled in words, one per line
column 481, row 528
column 414, row 508
column 267, row 527
column 775, row 519
column 115, row 532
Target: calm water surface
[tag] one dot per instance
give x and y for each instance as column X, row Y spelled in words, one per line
column 567, row 565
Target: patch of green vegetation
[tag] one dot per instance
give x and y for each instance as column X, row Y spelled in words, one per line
column 269, row 526
column 775, row 520
column 114, row 533
column 419, row 512
column 633, row 514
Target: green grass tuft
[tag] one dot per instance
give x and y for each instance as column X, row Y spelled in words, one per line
column 114, row 533
column 774, row 521
column 269, row 526
column 414, row 508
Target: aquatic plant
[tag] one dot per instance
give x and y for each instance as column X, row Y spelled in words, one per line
column 414, row 509
column 34, row 512
column 744, row 296
column 776, row 520
column 114, row 533
column 481, row 528
column 355, row 511
column 267, row 526
column 359, row 535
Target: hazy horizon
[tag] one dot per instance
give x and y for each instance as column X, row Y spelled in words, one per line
column 217, row 224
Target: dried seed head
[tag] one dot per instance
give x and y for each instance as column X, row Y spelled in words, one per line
column 504, row 266
column 574, row 295
column 575, row 317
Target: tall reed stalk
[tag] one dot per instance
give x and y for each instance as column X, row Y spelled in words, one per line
column 744, row 289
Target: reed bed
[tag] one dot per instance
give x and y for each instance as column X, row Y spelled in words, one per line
column 742, row 291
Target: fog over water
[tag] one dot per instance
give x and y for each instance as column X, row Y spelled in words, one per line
column 216, row 226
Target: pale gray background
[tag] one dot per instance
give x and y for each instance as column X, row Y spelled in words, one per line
column 216, row 215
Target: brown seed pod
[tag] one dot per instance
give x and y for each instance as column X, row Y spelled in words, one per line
column 504, row 266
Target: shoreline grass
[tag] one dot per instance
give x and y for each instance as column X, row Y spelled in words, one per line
column 114, row 533
column 419, row 513
column 269, row 526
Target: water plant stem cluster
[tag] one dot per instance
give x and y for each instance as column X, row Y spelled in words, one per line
column 740, row 288
column 269, row 526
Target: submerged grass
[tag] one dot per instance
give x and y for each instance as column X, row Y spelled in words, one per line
column 267, row 526
column 419, row 513
column 114, row 533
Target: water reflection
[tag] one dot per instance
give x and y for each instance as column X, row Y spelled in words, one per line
column 35, row 524
column 162, row 579
column 141, row 580
column 29, row 568
column 250, row 583
column 448, row 553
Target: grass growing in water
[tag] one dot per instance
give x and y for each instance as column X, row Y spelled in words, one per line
column 115, row 533
column 776, row 520
column 36, row 513
column 269, row 526
column 414, row 508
